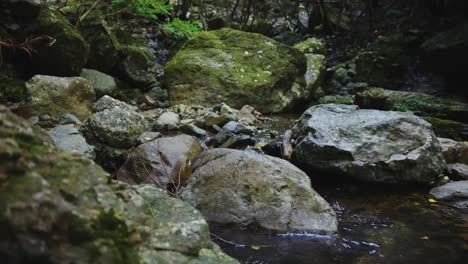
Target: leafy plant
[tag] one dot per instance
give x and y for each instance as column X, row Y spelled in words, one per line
column 182, row 29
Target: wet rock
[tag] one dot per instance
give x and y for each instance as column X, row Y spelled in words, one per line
column 217, row 119
column 69, row 52
column 46, row 196
column 457, row 171
column 242, row 187
column 102, row 83
column 167, row 121
column 367, row 145
column 419, row 103
column 58, row 96
column 163, row 162
column 454, row 151
column 254, row 70
column 453, row 191
column 113, row 127
column 68, row 138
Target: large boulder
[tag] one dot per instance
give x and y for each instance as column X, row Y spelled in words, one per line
column 248, row 188
column 367, row 145
column 238, row 68
column 163, row 162
column 57, row 96
column 113, row 128
column 56, row 208
column 68, row 53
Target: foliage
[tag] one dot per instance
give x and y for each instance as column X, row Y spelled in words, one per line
column 182, row 29
column 415, row 104
column 149, row 9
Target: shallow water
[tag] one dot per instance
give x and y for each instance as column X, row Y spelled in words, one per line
column 375, row 226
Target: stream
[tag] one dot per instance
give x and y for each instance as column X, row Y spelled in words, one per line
column 375, row 226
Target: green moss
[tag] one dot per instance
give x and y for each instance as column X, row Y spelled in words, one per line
column 311, row 45
column 448, row 128
column 116, row 234
column 12, row 90
column 349, row 100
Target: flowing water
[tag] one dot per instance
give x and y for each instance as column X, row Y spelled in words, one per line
column 375, row 226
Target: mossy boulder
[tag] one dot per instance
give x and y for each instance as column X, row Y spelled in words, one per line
column 448, row 128
column 419, row 103
column 57, row 208
column 69, row 53
column 12, row 90
column 57, row 96
column 237, row 68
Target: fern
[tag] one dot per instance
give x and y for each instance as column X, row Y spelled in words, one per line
column 181, row 29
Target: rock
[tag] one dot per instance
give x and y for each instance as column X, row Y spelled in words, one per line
column 316, row 67
column 457, row 171
column 58, row 96
column 69, row 52
column 419, row 103
column 102, row 83
column 246, row 115
column 135, row 67
column 242, row 187
column 448, row 128
column 243, row 68
column 367, row 145
column 67, row 119
column 113, row 128
column 162, row 162
column 68, row 138
column 237, row 128
column 12, row 90
column 217, row 119
column 24, row 9
column 192, row 129
column 453, row 151
column 336, row 99
column 311, row 45
column 452, row 191
column 148, row 136
column 58, row 208
column 167, row 121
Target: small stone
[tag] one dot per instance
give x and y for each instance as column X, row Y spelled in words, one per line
column 69, row 119
column 457, row 171
column 167, row 121
column 192, row 129
column 148, row 136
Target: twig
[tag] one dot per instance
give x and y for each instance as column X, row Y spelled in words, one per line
column 236, row 244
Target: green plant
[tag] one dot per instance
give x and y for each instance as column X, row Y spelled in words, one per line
column 149, row 9
column 182, row 29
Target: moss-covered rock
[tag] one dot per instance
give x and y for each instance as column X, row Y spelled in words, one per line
column 57, row 96
column 57, row 208
column 69, row 53
column 12, row 90
column 419, row 103
column 238, row 68
column 448, row 128
column 337, row 99
column 311, row 45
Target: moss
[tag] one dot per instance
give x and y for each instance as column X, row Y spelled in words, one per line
column 311, row 45
column 12, row 90
column 448, row 128
column 116, row 235
column 349, row 100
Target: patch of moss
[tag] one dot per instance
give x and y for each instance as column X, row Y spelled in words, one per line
column 12, row 90
column 448, row 128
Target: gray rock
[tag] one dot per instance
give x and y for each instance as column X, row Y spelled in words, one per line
column 102, row 83
column 113, row 128
column 148, row 136
column 452, row 191
column 368, row 145
column 192, row 129
column 454, row 151
column 161, row 162
column 114, row 123
column 241, row 187
column 58, row 96
column 68, row 138
column 67, row 119
column 167, row 121
column 238, row 128
column 457, row 171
